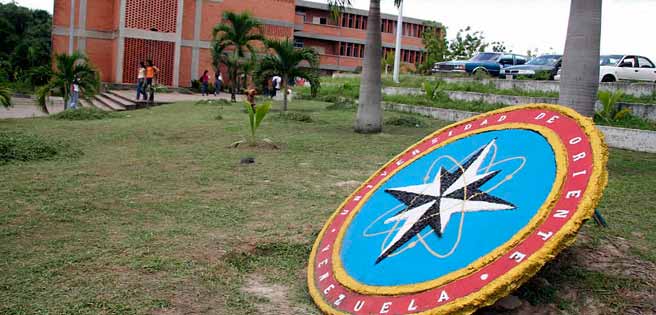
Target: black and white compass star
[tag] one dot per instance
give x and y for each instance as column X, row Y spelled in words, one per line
column 431, row 205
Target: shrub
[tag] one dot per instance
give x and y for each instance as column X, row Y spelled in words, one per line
column 406, row 121
column 84, row 114
column 296, row 117
column 342, row 103
column 610, row 111
column 18, row 146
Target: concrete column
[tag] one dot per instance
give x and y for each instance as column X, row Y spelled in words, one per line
column 121, row 42
column 71, row 29
column 178, row 44
column 195, row 50
column 82, row 27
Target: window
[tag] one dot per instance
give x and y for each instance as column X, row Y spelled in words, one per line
column 298, row 42
column 629, row 62
column 519, row 60
column 645, row 63
column 506, row 60
column 322, row 20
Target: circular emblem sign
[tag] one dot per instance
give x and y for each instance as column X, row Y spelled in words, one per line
column 463, row 217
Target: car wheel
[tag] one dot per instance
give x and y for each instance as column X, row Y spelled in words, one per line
column 480, row 72
column 608, row 78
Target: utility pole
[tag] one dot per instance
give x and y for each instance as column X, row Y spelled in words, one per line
column 397, row 53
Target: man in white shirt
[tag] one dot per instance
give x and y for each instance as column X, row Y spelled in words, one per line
column 277, row 80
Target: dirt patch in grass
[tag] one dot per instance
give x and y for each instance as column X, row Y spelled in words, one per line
column 350, row 184
column 275, row 298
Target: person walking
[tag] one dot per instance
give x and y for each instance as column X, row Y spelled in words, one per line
column 141, row 82
column 204, row 81
column 151, row 71
column 277, row 80
column 218, row 81
column 75, row 93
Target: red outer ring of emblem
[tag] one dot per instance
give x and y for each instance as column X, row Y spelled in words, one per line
column 335, row 298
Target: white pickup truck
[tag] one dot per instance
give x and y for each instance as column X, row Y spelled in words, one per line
column 624, row 67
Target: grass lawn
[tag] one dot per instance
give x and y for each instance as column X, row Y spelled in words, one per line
column 158, row 216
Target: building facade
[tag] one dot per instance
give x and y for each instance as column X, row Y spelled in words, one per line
column 176, row 34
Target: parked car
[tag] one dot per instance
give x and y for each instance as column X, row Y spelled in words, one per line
column 486, row 63
column 544, row 66
column 625, row 67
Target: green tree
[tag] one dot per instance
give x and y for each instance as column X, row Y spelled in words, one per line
column 466, row 44
column 387, row 63
column 288, row 62
column 232, row 40
column 5, row 97
column 499, row 47
column 25, row 43
column 68, row 68
column 580, row 73
column 435, row 44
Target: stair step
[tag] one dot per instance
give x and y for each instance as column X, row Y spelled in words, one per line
column 95, row 104
column 120, row 96
column 118, row 100
column 110, row 103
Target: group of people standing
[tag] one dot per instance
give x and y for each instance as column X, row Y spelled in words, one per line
column 272, row 86
column 205, row 83
column 145, row 76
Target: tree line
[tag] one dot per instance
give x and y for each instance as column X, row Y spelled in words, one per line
column 25, row 47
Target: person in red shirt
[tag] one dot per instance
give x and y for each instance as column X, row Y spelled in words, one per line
column 204, row 81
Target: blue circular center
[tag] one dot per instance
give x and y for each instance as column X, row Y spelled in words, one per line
column 524, row 154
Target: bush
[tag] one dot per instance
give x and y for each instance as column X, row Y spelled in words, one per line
column 342, row 103
column 406, row 121
column 84, row 114
column 17, row 146
column 296, row 117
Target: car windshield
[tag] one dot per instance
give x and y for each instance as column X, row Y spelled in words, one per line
column 609, row 60
column 485, row 57
column 544, row 61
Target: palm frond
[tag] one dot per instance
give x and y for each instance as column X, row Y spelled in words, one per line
column 5, row 97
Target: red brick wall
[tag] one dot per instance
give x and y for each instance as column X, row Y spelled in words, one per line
column 101, row 55
column 161, row 53
column 98, row 18
column 185, row 66
column 188, row 17
column 151, row 14
column 280, row 10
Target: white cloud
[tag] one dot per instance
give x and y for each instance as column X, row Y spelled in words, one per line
column 47, row 5
column 627, row 25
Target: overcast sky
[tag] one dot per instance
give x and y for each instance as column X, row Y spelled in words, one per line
column 628, row 25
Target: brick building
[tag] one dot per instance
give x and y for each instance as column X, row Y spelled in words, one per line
column 176, row 34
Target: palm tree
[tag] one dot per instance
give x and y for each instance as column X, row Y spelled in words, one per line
column 287, row 62
column 67, row 68
column 580, row 74
column 369, row 118
column 232, row 39
column 5, row 97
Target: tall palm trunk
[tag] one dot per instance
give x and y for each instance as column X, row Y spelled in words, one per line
column 233, row 85
column 580, row 75
column 370, row 114
column 284, row 92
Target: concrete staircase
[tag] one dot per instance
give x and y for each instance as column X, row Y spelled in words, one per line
column 112, row 101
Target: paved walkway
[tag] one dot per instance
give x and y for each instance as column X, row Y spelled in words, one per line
column 27, row 108
column 178, row 97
